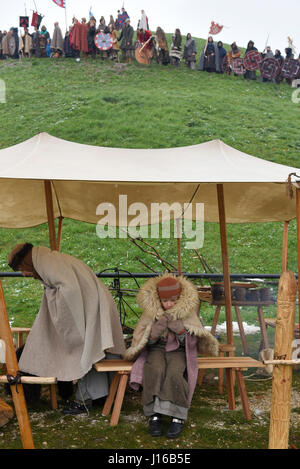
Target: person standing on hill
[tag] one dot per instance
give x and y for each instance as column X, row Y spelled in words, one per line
column 222, row 54
column 77, row 324
column 190, row 52
column 175, row 52
column 209, row 59
column 161, row 47
column 143, row 22
column 126, row 46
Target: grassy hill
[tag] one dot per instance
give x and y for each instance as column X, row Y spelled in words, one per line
column 146, row 107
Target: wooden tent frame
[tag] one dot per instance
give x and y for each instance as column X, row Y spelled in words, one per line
column 54, row 240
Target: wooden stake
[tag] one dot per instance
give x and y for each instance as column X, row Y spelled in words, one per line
column 50, row 215
column 226, row 273
column 230, row 375
column 12, row 369
column 285, row 246
column 282, row 375
column 298, row 245
column 59, row 231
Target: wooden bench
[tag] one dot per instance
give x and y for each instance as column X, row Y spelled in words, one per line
column 122, row 369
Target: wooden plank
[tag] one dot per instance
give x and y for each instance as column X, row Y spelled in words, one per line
column 119, row 400
column 32, row 380
column 282, row 375
column 203, row 362
column 111, row 396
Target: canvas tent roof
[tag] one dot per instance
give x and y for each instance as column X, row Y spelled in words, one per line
column 84, row 176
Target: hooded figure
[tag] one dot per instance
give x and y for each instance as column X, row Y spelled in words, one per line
column 165, row 344
column 77, row 324
column 57, row 43
column 209, row 58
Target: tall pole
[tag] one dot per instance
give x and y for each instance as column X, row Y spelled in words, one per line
column 282, row 374
column 298, row 243
column 227, row 292
column 50, row 215
column 225, row 262
column 285, row 246
column 178, row 229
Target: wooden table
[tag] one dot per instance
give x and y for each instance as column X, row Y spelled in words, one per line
column 236, row 305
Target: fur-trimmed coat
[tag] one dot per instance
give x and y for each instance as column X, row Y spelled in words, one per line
column 186, row 309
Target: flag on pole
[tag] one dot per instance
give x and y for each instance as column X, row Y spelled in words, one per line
column 215, row 28
column 60, row 3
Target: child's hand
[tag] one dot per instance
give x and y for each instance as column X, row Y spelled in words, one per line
column 176, row 325
column 159, row 327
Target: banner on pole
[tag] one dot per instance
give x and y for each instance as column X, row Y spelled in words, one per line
column 215, row 28
column 60, row 3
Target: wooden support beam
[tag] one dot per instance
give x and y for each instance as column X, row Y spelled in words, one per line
column 230, row 377
column 282, row 375
column 50, row 215
column 178, row 229
column 12, row 369
column 285, row 246
column 225, row 261
column 298, row 244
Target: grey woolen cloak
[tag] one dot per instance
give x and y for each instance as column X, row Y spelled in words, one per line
column 77, row 322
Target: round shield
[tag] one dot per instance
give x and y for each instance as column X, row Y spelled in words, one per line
column 252, row 60
column 270, row 68
column 225, row 64
column 237, row 66
column 103, row 41
column 290, row 68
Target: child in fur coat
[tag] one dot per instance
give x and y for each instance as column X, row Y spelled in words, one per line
column 166, row 342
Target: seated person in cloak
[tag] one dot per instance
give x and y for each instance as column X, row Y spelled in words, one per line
column 165, row 345
column 77, row 324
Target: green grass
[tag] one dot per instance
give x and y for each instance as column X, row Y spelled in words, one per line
column 147, row 107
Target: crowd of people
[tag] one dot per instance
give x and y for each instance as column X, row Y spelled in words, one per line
column 119, row 44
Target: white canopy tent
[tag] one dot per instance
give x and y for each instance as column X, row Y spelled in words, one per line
column 83, row 176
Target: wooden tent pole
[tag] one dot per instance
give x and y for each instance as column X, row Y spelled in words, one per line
column 285, row 246
column 230, row 376
column 226, row 272
column 298, row 244
column 50, row 215
column 282, row 374
column 178, row 225
column 12, row 369
column 59, row 230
